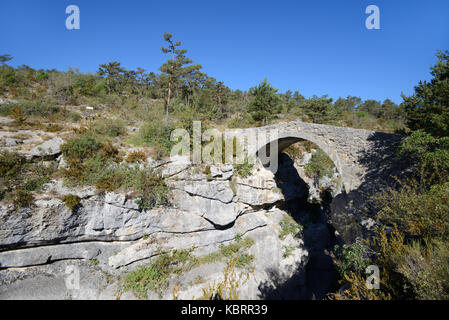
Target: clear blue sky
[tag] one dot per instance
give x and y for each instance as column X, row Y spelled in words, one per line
column 315, row 47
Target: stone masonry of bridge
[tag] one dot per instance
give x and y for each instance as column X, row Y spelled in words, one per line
column 348, row 148
column 365, row 160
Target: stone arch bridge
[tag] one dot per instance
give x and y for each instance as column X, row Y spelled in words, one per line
column 365, row 160
column 358, row 154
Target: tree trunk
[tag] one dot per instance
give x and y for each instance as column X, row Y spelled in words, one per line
column 220, row 106
column 168, row 103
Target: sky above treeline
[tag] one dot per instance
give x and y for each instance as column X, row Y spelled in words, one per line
column 316, row 47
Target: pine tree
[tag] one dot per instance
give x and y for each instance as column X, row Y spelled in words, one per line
column 221, row 93
column 428, row 108
column 174, row 69
column 5, row 58
column 265, row 101
column 317, row 109
column 112, row 71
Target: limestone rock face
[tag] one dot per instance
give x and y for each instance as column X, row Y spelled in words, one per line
column 50, row 222
column 206, row 212
column 223, row 171
column 197, row 206
column 9, row 142
column 214, row 190
column 259, row 189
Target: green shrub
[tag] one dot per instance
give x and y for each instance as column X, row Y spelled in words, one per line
column 287, row 251
column 71, row 201
column 109, row 127
column 73, row 116
column 157, row 135
column 94, row 262
column 148, row 185
column 413, row 269
column 35, row 175
column 41, row 109
column 136, row 156
column 417, row 211
column 81, row 148
column 319, row 165
column 17, row 114
column 209, row 258
column 244, row 260
column 37, row 110
column 20, row 177
column 289, row 226
column 411, row 248
column 86, row 145
column 228, row 288
column 296, row 150
column 429, row 155
column 53, row 128
column 426, row 269
column 237, row 249
column 152, row 189
column 10, row 164
column 244, row 169
column 154, row 277
column 241, row 121
column 21, row 198
column 93, row 162
column 147, row 278
column 88, row 159
column 352, row 258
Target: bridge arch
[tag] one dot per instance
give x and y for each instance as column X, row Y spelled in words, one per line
column 285, row 140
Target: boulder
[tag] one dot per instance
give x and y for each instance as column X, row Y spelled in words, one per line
column 48, row 148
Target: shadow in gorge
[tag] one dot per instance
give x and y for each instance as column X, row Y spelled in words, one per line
column 349, row 211
column 319, row 276
column 382, row 170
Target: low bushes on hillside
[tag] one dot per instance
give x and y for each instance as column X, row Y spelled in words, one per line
column 37, row 110
column 411, row 247
column 156, row 135
column 415, row 210
column 20, row 177
column 429, row 155
column 109, row 127
column 95, row 161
